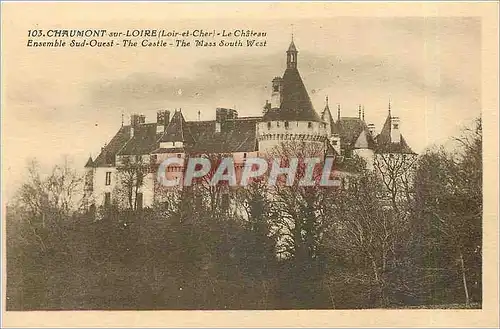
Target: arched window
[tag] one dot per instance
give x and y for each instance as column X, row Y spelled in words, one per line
column 287, row 124
column 269, row 125
column 309, row 125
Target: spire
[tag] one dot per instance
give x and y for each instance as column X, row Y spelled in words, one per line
column 291, row 55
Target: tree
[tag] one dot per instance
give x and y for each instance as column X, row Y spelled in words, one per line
column 397, row 172
column 366, row 244
column 131, row 174
column 449, row 207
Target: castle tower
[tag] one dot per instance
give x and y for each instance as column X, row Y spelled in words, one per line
column 291, row 116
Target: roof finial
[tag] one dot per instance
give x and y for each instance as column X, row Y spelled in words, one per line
column 389, row 106
column 292, row 32
column 363, row 113
column 326, row 101
column 359, row 111
column 122, row 118
column 199, row 113
column 338, row 112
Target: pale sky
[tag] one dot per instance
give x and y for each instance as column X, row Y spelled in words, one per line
column 64, row 101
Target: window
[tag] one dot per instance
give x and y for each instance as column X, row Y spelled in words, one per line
column 309, row 125
column 108, row 178
column 269, row 125
column 140, row 178
column 395, row 126
column 138, row 158
column 107, row 199
column 179, row 155
column 334, row 142
column 276, row 88
column 278, row 124
column 287, row 124
column 244, row 155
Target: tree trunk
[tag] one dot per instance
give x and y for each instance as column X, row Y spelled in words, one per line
column 462, row 267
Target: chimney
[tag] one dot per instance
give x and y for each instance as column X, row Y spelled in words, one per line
column 395, row 130
column 223, row 116
column 135, row 120
column 267, row 107
column 371, row 128
column 162, row 120
column 277, row 93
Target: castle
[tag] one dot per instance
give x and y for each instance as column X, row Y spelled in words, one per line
column 289, row 116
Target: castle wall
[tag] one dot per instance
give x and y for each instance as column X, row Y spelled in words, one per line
column 272, row 133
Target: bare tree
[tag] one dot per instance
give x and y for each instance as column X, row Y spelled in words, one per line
column 449, row 200
column 397, row 171
column 131, row 174
column 45, row 201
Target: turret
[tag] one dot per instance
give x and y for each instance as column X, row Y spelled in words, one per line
column 291, row 56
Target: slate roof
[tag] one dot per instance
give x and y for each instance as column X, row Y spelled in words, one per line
column 107, row 156
column 384, row 144
column 327, row 117
column 143, row 142
column 296, row 104
column 239, row 135
column 349, row 129
column 177, row 130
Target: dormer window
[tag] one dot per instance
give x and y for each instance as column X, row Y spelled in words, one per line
column 309, row 125
column 395, row 126
column 269, row 125
column 287, row 124
column 334, row 142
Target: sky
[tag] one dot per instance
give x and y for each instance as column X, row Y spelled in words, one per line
column 65, row 101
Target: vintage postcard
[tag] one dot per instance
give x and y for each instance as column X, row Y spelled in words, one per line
column 314, row 164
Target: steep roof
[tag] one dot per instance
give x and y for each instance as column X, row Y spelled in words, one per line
column 296, row 104
column 384, row 144
column 143, row 141
column 350, row 129
column 107, row 156
column 237, row 135
column 326, row 115
column 177, row 130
